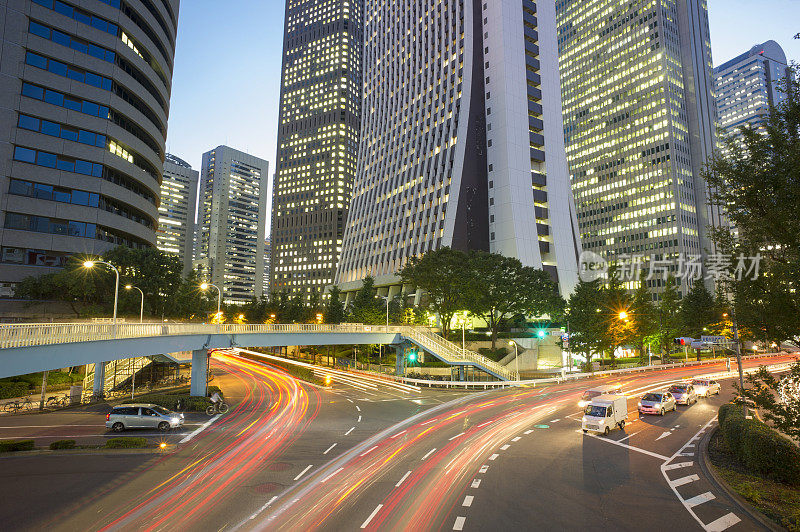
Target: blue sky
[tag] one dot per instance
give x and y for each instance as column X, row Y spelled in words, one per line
column 228, row 63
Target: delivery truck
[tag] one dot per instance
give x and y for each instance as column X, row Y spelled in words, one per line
column 605, row 413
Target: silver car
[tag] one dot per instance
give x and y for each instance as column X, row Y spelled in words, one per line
column 684, row 393
column 142, row 416
column 706, row 387
column 657, row 403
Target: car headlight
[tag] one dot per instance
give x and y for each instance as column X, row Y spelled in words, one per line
column 176, row 419
column 657, row 405
column 640, row 404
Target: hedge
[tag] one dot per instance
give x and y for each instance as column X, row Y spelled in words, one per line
column 759, row 447
column 62, row 444
column 9, row 446
column 126, row 443
column 12, row 390
column 170, row 400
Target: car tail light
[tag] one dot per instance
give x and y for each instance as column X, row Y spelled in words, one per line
column 108, row 416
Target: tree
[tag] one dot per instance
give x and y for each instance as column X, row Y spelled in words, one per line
column 587, row 328
column 190, row 301
column 157, row 274
column 757, row 180
column 616, row 312
column 334, row 308
column 669, row 319
column 366, row 308
column 777, row 397
column 499, row 287
column 440, row 274
column 644, row 321
column 699, row 311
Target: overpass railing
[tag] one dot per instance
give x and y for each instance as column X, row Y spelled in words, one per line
column 32, row 334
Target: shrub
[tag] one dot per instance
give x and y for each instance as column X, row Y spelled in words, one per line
column 759, row 447
column 170, row 400
column 11, row 390
column 62, row 444
column 126, row 443
column 10, row 446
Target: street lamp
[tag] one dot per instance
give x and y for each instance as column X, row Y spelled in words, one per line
column 141, row 307
column 206, row 286
column 516, row 357
column 623, row 316
column 89, row 264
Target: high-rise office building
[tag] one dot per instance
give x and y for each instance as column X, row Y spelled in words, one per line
column 317, row 141
column 748, row 85
column 232, row 221
column 83, row 122
column 267, row 263
column 639, row 124
column 177, row 210
column 461, row 139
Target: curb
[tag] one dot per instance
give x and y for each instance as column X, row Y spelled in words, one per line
column 708, row 470
column 101, row 450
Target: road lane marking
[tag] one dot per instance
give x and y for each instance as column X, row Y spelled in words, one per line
column 494, row 456
column 329, row 476
column 528, row 431
column 516, row 439
column 373, row 514
column 401, row 481
column 429, row 421
column 429, row 453
column 329, row 449
column 678, row 465
column 349, row 399
column 723, row 523
column 484, row 424
column 476, row 483
column 630, row 447
column 263, row 508
column 686, row 453
column 200, row 429
column 358, row 408
column 700, row 499
column 483, row 469
column 664, row 435
column 303, row 472
column 468, row 501
column 349, row 431
column 369, row 450
column 459, row 524
column 504, row 447
column 456, row 436
column 399, row 434
column 555, row 420
column 683, row 480
column 359, row 419
column 629, row 436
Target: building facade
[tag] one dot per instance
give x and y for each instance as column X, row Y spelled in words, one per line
column 461, row 140
column 317, row 141
column 639, row 124
column 231, row 222
column 176, row 213
column 748, row 85
column 84, row 102
column 267, row 264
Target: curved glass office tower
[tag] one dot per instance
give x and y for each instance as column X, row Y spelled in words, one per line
column 85, row 98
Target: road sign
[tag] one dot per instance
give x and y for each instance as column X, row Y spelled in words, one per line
column 713, row 339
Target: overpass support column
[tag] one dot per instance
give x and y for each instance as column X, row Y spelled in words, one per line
column 99, row 377
column 197, row 386
column 462, row 373
column 400, row 358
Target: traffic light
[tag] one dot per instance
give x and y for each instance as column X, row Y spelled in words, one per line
column 412, row 356
column 540, row 334
column 683, row 341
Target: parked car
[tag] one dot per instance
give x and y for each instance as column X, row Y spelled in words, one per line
column 604, row 413
column 143, row 416
column 706, row 387
column 597, row 391
column 684, row 393
column 657, row 403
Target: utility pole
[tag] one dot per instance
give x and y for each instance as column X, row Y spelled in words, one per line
column 44, row 390
column 738, row 359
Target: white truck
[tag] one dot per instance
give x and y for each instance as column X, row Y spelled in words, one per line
column 604, row 413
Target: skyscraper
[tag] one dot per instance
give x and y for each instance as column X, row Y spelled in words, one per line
column 83, row 123
column 748, row 85
column 232, row 221
column 177, row 210
column 639, row 124
column 317, row 141
column 461, row 140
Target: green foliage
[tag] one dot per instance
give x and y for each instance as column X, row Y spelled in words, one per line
column 765, row 392
column 699, row 311
column 10, row 446
column 334, row 308
column 496, row 354
column 759, row 447
column 757, row 180
column 62, row 444
column 299, row 372
column 644, row 320
column 12, row 390
column 587, row 328
column 366, row 307
column 126, row 443
column 669, row 318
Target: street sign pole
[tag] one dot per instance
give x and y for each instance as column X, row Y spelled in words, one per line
column 738, row 359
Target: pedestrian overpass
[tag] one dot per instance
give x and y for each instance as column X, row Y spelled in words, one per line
column 29, row 348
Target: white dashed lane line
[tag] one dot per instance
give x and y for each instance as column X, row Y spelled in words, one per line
column 429, row 453
column 483, row 469
column 504, row 447
column 456, row 436
column 303, row 472
column 349, row 431
column 459, row 524
column 468, row 501
column 402, row 479
column 329, row 449
column 476, row 483
column 377, row 509
column 494, row 456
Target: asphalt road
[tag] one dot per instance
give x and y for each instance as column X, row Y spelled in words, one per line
column 293, row 456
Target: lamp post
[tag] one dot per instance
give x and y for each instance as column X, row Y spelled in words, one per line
column 206, row 286
column 141, row 307
column 463, row 321
column 100, row 367
column 516, row 357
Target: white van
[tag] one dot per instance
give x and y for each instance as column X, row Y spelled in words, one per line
column 597, row 391
column 604, row 413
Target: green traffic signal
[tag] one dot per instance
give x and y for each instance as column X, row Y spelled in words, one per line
column 412, row 356
column 540, row 334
